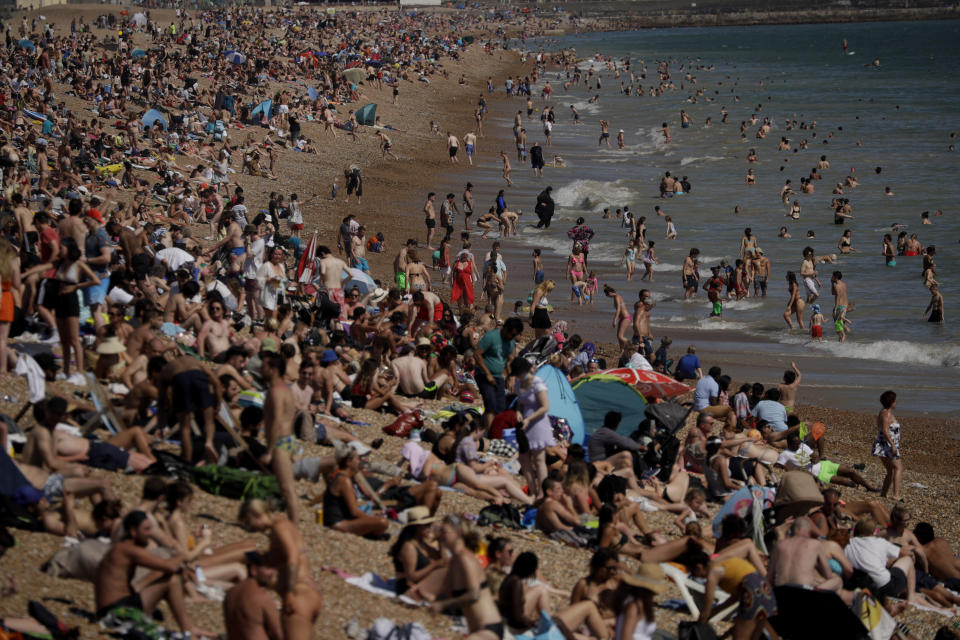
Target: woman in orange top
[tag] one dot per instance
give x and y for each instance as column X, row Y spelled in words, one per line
column 10, row 284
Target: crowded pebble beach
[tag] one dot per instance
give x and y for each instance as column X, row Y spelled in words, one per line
column 265, row 375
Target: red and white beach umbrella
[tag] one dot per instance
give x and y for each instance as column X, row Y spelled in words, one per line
column 651, row 384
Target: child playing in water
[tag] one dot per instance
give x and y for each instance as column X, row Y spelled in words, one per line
column 629, row 258
column 816, row 322
column 840, row 323
column 593, row 287
column 671, row 230
column 578, row 291
column 649, row 259
column 666, row 132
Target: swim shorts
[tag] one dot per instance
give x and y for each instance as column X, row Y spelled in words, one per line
column 816, row 331
column 191, row 391
column 827, row 471
column 838, row 326
column 431, row 223
column 811, row 286
column 401, row 279
column 689, row 282
column 453, row 151
column 238, row 251
column 132, row 601
column 53, row 487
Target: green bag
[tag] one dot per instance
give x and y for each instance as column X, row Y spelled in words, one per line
column 241, row 484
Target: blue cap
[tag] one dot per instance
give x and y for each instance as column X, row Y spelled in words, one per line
column 329, row 356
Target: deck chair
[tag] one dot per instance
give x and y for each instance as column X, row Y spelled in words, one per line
column 693, row 594
column 105, row 412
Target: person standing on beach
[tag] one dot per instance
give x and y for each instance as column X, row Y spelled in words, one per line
column 641, row 322
column 400, row 264
column 621, row 318
column 448, row 212
column 467, row 205
column 454, row 146
column 521, row 139
column 604, row 133
column 887, row 446
column 470, row 145
column 506, row 168
column 278, row 414
column 536, row 159
column 691, row 277
column 430, row 218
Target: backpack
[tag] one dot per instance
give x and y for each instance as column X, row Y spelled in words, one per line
column 668, row 416
column 403, row 425
column 230, row 482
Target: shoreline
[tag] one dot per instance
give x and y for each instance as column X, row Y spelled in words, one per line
column 748, row 17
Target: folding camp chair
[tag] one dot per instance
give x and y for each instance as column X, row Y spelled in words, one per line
column 693, row 593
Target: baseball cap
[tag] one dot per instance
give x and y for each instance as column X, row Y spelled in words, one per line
column 329, row 356
column 95, row 214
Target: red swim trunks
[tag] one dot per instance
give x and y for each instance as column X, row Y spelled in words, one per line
column 816, row 331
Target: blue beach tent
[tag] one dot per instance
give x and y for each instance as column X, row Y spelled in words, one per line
column 367, row 114
column 599, row 393
column 563, row 402
column 154, row 118
column 261, row 110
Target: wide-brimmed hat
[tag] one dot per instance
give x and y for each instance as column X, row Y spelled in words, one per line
column 648, row 576
column 111, row 346
column 378, row 295
column 419, row 516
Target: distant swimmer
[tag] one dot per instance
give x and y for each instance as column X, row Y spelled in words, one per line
column 844, row 46
column 620, row 140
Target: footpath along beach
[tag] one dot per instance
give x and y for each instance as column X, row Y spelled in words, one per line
column 394, row 193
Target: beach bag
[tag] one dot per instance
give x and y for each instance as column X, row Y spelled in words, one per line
column 695, row 631
column 879, row 624
column 505, row 515
column 241, row 484
column 403, row 425
column 668, row 416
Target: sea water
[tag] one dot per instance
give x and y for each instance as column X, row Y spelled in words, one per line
column 897, row 116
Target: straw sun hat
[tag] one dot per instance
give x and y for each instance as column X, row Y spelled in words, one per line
column 648, row 576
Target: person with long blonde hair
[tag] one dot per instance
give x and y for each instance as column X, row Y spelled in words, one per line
column 10, row 297
column 540, row 308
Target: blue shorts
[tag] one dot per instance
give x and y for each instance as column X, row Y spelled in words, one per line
column 96, row 294
column 362, row 264
column 538, row 277
column 469, row 149
column 238, row 251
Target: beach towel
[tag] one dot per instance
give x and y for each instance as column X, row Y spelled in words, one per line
column 374, row 583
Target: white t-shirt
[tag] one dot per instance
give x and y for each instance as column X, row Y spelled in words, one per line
column 871, row 555
column 240, row 213
column 296, row 215
column 174, row 257
column 228, row 298
column 253, row 258
column 799, row 458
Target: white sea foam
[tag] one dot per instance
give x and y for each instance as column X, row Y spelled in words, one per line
column 594, row 195
column 742, row 305
column 899, row 351
column 691, row 159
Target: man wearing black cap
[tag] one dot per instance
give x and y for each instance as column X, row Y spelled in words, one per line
column 248, row 610
column 544, row 208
